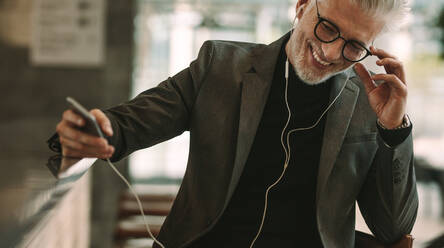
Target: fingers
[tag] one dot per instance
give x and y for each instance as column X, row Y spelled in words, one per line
column 394, row 82
column 71, row 143
column 103, row 121
column 73, row 118
column 68, row 152
column 76, row 143
column 81, row 137
column 393, row 65
column 365, row 76
column 381, row 53
column 389, row 61
column 73, row 148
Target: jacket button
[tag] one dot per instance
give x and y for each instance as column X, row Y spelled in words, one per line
column 396, row 164
column 396, row 180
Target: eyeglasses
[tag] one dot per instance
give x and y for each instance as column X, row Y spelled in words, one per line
column 327, row 32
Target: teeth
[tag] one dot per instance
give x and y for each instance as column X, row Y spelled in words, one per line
column 316, row 56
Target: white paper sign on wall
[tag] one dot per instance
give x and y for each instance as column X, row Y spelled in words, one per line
column 68, row 33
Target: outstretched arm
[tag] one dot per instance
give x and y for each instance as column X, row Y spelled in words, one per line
column 160, row 113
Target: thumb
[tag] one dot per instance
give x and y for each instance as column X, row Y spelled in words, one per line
column 365, row 76
column 103, row 121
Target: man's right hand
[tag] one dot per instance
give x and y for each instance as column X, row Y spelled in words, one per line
column 76, row 143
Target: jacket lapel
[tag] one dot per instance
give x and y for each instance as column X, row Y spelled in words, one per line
column 338, row 120
column 255, row 88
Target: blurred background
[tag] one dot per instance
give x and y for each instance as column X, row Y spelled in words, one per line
column 103, row 52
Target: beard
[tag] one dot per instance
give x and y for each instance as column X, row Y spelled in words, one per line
column 309, row 76
column 298, row 50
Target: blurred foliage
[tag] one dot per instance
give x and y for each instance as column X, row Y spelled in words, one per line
column 440, row 25
column 423, row 67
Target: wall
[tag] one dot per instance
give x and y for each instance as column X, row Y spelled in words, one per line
column 32, row 98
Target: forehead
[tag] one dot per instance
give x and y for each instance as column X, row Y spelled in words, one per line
column 353, row 22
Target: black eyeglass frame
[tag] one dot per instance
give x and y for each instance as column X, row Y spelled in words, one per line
column 321, row 19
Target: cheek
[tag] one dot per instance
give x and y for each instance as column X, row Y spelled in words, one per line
column 300, row 40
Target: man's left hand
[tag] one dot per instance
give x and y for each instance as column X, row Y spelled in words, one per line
column 388, row 99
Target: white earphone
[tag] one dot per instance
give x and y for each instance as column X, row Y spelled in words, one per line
column 286, row 146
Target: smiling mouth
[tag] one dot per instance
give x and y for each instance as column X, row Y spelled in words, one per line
column 318, row 58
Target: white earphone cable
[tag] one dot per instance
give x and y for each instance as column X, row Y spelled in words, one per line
column 285, row 164
column 138, row 203
column 312, row 126
column 286, row 147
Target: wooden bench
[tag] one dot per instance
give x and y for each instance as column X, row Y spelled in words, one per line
column 157, row 206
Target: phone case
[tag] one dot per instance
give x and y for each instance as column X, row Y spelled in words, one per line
column 91, row 125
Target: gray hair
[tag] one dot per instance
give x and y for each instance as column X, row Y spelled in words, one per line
column 394, row 11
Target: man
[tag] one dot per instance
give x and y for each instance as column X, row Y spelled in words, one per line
column 279, row 154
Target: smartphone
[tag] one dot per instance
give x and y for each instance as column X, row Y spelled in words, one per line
column 91, row 126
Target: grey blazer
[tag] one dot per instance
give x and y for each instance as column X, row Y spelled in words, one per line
column 219, row 99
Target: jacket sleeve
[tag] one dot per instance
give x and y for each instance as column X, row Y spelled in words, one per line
column 159, row 113
column 388, row 199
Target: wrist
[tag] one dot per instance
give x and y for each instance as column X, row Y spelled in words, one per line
column 403, row 124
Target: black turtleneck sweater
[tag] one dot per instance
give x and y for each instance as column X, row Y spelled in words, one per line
column 291, row 214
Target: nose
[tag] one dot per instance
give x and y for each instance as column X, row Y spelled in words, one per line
column 333, row 51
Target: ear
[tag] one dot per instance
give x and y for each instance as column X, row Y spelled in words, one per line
column 300, row 7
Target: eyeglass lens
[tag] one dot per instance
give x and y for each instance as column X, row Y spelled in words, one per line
column 327, row 32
